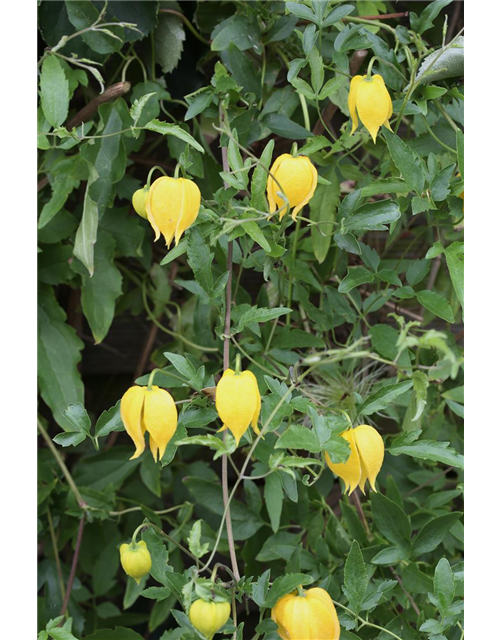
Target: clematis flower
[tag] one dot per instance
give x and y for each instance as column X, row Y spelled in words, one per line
column 237, row 400
column 297, row 178
column 369, row 101
column 152, row 410
column 135, row 560
column 307, row 615
column 365, row 461
column 139, row 202
column 209, row 616
column 172, row 205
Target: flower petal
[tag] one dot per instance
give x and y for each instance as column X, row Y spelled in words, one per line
column 160, row 418
column 131, row 407
column 349, row 471
column 312, row 189
column 190, row 207
column 371, row 454
column 372, row 102
column 164, row 206
column 351, row 101
column 272, row 187
column 235, row 401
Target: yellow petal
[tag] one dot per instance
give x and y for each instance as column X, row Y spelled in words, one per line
column 312, row 189
column 297, row 178
column 351, row 101
column 373, row 104
column 371, row 454
column 164, row 206
column 131, row 407
column 139, row 202
column 349, row 471
column 258, row 403
column 160, row 418
column 272, row 187
column 236, row 401
column 190, row 207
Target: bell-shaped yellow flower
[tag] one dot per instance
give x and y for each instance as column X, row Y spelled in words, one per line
column 172, row 205
column 365, row 461
column 237, row 400
column 152, row 410
column 311, row 616
column 370, row 101
column 297, row 178
column 209, row 617
column 139, row 202
column 135, row 560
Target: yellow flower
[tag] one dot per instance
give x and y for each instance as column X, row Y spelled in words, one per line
column 209, row 617
column 370, row 100
column 365, row 461
column 172, row 205
column 297, row 178
column 135, row 559
column 308, row 617
column 237, row 400
column 139, row 202
column 152, row 410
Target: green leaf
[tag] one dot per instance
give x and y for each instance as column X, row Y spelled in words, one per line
column 194, row 541
column 391, row 521
column 109, row 421
column 323, row 208
column 169, row 38
column 254, row 231
column 284, row 127
column 460, row 151
column 285, row 585
column 406, row 161
column 420, row 384
column 444, row 584
column 385, row 185
column 355, row 277
column 258, row 198
column 54, row 91
column 99, row 292
column 173, row 130
column 260, row 588
column 417, row 271
column 118, row 633
column 239, row 29
column 82, row 15
column 256, row 314
column 78, row 418
column 58, row 356
column 156, row 593
column 432, row 534
column 373, row 216
column 273, row 497
column 454, row 254
column 424, row 21
column 383, row 398
column 408, row 444
column 355, row 577
column 436, row 304
column 243, row 71
column 200, row 260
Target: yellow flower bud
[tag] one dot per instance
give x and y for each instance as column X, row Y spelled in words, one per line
column 135, row 560
column 172, row 205
column 237, row 400
column 365, row 461
column 152, row 410
column 139, row 202
column 311, row 616
column 370, row 101
column 209, row 617
column 297, row 179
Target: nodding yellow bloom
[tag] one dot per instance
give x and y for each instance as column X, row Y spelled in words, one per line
column 297, row 178
column 311, row 616
column 237, row 400
column 139, row 202
column 135, row 560
column 172, row 205
column 209, row 617
column 365, row 461
column 152, row 410
column 370, row 101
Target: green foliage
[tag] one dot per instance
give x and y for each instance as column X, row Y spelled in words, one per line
column 349, row 315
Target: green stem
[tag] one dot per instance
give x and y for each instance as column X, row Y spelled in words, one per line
column 290, row 281
column 365, row 623
column 81, row 502
column 433, row 135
